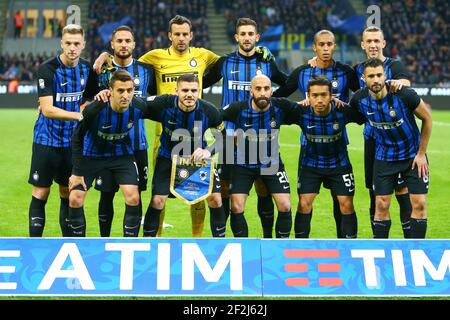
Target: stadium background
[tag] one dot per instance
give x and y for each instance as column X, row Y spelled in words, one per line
column 416, row 33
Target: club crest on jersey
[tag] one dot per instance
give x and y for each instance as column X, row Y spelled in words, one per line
column 336, row 126
column 82, row 82
column 99, row 181
column 392, row 113
column 273, row 123
column 258, row 72
column 193, row 63
column 35, row 176
column 41, row 83
column 130, row 124
column 334, row 84
column 183, row 174
column 136, row 81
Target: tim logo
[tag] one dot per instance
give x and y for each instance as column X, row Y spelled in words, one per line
column 320, row 273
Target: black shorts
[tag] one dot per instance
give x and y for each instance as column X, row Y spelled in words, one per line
column 123, row 170
column 242, row 180
column 369, row 159
column 340, row 180
column 161, row 178
column 105, row 181
column 48, row 164
column 385, row 177
column 224, row 171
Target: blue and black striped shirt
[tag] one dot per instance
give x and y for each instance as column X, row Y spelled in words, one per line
column 144, row 84
column 69, row 87
column 251, row 121
column 325, row 145
column 188, row 126
column 397, row 136
column 394, row 69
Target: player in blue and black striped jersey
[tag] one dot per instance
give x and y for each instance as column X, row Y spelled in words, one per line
column 400, row 148
column 123, row 44
column 342, row 77
column 102, row 142
column 64, row 83
column 237, row 70
column 325, row 157
column 373, row 43
column 257, row 121
column 186, row 117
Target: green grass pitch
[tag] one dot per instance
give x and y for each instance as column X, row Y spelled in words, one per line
column 15, row 192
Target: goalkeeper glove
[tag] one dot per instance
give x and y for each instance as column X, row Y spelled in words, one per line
column 265, row 54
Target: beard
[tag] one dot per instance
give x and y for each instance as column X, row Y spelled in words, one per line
column 376, row 88
column 122, row 56
column 262, row 102
column 252, row 46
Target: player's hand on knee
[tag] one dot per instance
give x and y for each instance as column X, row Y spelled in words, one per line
column 103, row 95
column 75, row 181
column 421, row 162
column 313, row 62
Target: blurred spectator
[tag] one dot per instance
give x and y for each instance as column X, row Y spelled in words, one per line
column 20, row 67
column 18, row 24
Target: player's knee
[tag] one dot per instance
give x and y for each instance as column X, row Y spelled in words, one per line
column 304, row 205
column 158, row 202
column 237, row 205
column 284, row 205
column 76, row 199
column 346, row 206
column 382, row 203
column 132, row 198
column 419, row 208
column 41, row 193
column 215, row 200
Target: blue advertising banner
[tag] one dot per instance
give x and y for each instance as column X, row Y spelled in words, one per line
column 130, row 267
column 223, row 267
column 356, row 267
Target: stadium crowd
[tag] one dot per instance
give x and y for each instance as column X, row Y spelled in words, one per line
column 416, row 32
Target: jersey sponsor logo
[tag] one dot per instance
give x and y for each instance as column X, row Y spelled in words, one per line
column 324, row 138
column 239, row 85
column 173, row 77
column 112, row 136
column 386, row 125
column 69, row 97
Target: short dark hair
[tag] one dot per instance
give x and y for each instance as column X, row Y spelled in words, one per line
column 179, row 20
column 188, row 77
column 246, row 22
column 120, row 75
column 123, row 28
column 318, row 33
column 373, row 29
column 372, row 63
column 319, row 80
